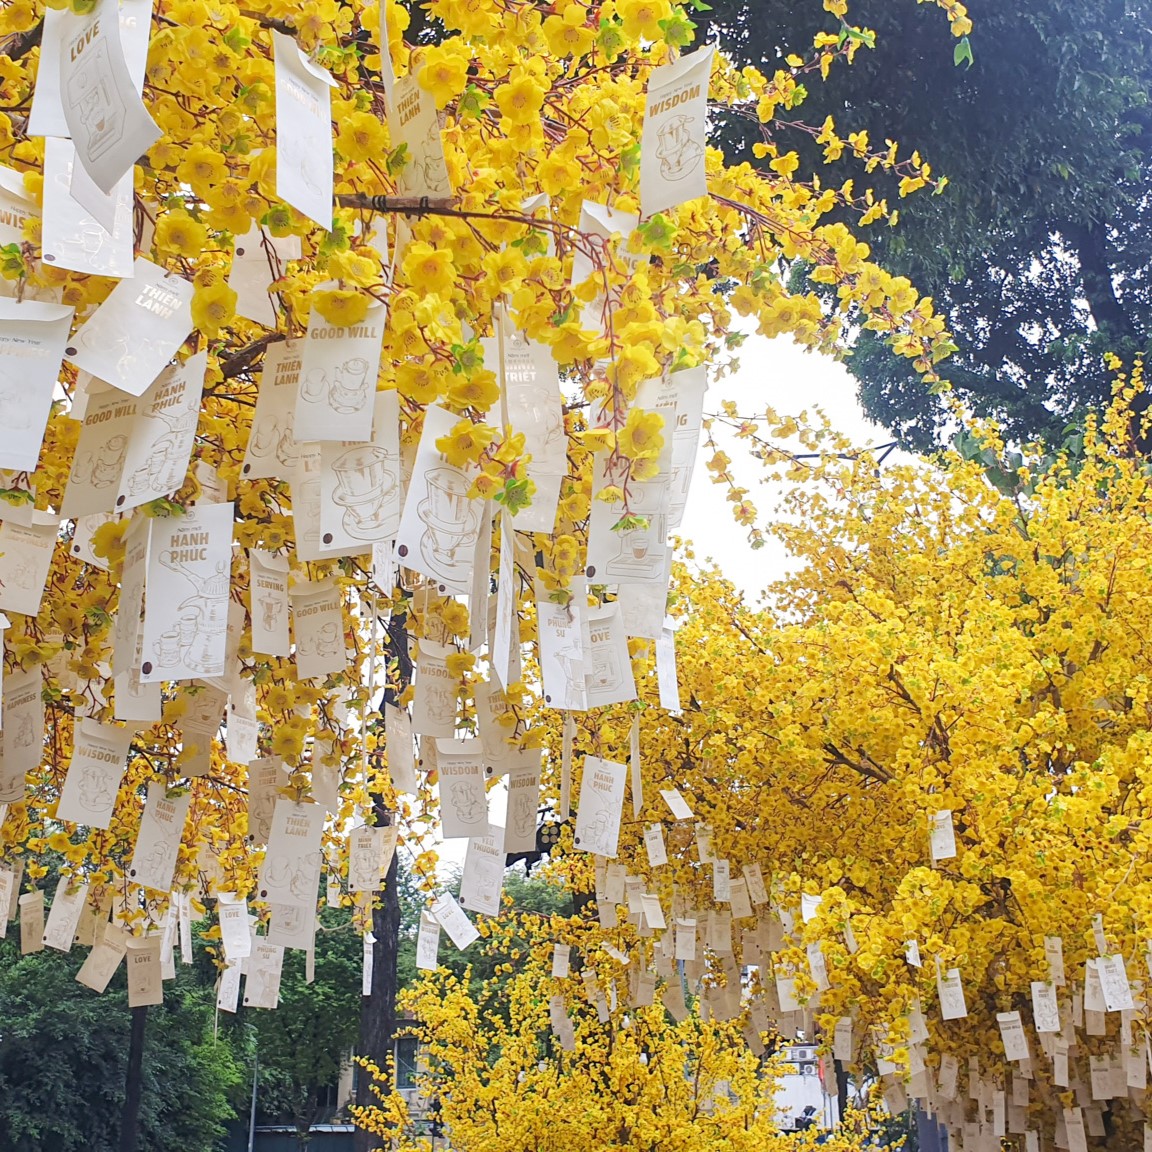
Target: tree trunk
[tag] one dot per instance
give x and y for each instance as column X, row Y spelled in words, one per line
column 378, row 1010
column 133, row 1082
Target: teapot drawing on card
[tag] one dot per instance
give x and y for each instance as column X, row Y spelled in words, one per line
column 201, row 618
column 364, row 480
column 101, row 468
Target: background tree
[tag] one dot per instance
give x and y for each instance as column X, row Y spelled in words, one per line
column 63, row 1052
column 1039, row 250
column 304, row 1044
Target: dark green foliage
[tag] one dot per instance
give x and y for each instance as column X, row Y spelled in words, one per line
column 1040, row 250
column 63, row 1053
column 303, row 1043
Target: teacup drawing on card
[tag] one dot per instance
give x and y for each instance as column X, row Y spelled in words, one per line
column 365, row 478
column 451, row 519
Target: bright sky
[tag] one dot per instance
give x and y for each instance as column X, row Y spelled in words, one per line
column 775, row 374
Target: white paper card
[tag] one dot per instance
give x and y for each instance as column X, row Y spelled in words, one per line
column 99, row 761
column 272, row 451
column 318, row 626
column 942, row 836
column 33, row 336
column 71, row 238
column 428, row 943
column 107, row 120
column 158, row 840
column 137, row 330
column 360, row 481
column 440, row 521
column 452, row 918
column 600, row 806
column 463, row 802
column 290, row 873
column 672, row 147
column 337, row 384
column 188, row 586
column 268, row 603
column 303, row 132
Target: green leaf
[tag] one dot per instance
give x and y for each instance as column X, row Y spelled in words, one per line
column 962, row 53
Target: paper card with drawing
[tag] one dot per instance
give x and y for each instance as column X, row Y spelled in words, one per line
column 163, row 433
column 364, row 859
column 127, row 627
column 106, row 118
column 262, row 979
column 434, row 702
column 530, row 379
column 102, row 448
column 64, row 915
column 608, row 672
column 428, row 943
column 242, row 736
column 33, row 336
column 25, row 558
column 360, row 481
column 258, row 260
column 318, row 627
column 336, row 389
column 272, row 451
column 600, row 806
column 523, row 802
column 268, row 603
column 452, row 918
column 265, row 779
column 496, row 723
column 482, row 880
column 17, row 206
column 100, row 966
column 235, row 937
column 31, row 922
column 627, row 541
column 129, row 339
column 440, row 522
column 99, row 761
column 303, row 131
column 70, row 237
column 941, row 835
column 228, row 988
column 401, row 755
column 463, row 800
column 290, row 873
column 47, row 115
column 689, row 385
column 564, row 658
column 672, row 146
column 292, row 927
column 145, row 982
column 186, row 607
column 199, row 726
column 22, row 734
column 158, row 839
column 414, row 121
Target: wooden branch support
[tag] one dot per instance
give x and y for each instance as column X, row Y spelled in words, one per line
column 19, row 44
column 402, row 205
